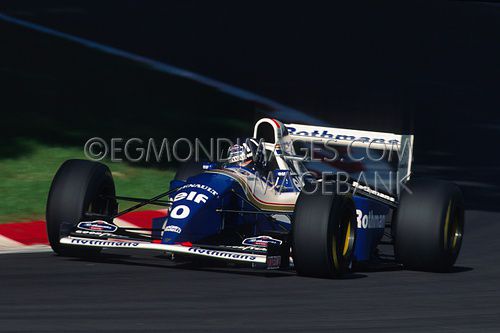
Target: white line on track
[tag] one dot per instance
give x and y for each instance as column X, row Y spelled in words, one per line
column 281, row 111
column 27, row 249
column 7, row 243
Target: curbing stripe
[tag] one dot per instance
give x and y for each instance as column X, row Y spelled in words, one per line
column 27, row 233
column 27, row 237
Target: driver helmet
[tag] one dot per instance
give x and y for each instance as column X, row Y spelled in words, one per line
column 246, row 153
column 239, row 155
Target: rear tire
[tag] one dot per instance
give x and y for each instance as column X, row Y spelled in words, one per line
column 324, row 232
column 429, row 225
column 77, row 188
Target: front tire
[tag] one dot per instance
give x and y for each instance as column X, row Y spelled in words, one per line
column 429, row 225
column 324, row 232
column 79, row 187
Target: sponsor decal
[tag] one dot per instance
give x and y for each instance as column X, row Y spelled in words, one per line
column 282, row 173
column 261, row 241
column 103, row 243
column 95, row 233
column 183, row 211
column 192, row 196
column 370, row 221
column 247, row 248
column 97, row 225
column 179, row 212
column 173, row 228
column 208, row 166
column 221, row 254
column 273, row 262
column 325, row 134
column 200, row 186
column 372, row 191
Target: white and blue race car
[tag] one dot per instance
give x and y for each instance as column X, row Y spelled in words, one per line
column 271, row 207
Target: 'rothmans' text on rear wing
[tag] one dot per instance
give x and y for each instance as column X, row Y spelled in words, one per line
column 399, row 143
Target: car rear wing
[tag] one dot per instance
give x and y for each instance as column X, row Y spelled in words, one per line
column 401, row 144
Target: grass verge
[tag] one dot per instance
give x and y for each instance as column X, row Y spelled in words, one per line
column 25, row 181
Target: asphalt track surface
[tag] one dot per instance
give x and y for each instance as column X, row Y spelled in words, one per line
column 45, row 293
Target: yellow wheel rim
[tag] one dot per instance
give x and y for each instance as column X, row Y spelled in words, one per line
column 447, row 225
column 346, row 246
column 334, row 254
column 347, row 239
column 452, row 230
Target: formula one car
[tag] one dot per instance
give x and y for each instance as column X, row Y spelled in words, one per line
column 268, row 207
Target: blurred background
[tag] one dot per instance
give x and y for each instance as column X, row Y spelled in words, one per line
column 72, row 70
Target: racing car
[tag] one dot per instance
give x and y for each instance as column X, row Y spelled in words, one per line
column 266, row 206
